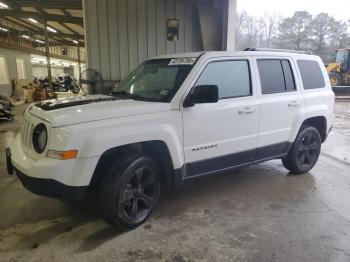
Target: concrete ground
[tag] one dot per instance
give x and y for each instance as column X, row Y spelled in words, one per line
column 257, row 213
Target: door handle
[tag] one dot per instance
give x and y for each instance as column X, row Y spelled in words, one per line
column 246, row 110
column 294, row 103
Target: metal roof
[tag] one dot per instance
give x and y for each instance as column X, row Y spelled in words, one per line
column 64, row 17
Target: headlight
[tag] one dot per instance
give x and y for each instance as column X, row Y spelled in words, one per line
column 39, row 138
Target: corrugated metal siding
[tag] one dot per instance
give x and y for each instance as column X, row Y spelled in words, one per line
column 120, row 34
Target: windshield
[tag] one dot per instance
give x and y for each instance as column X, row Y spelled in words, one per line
column 155, row 80
column 341, row 56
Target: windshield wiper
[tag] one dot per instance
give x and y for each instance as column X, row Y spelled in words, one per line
column 126, row 95
column 121, row 94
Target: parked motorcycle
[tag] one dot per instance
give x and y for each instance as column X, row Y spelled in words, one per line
column 61, row 83
column 5, row 110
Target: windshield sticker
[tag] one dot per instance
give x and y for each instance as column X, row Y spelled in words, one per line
column 183, row 61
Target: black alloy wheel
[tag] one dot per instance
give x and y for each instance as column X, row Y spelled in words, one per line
column 308, row 150
column 139, row 194
column 304, row 152
column 130, row 190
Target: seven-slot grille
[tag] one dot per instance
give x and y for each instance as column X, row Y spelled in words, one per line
column 26, row 134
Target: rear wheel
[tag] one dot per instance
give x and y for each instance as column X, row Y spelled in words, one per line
column 335, row 79
column 305, row 151
column 130, row 191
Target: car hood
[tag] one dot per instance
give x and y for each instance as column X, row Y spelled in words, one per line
column 80, row 109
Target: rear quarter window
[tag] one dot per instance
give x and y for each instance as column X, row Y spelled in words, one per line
column 311, row 74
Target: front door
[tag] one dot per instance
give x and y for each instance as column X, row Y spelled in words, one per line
column 218, row 136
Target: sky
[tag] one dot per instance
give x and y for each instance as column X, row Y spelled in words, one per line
column 340, row 9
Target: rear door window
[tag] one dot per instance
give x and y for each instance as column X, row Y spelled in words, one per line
column 288, row 75
column 311, row 74
column 276, row 76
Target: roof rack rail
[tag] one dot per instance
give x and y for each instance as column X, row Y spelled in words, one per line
column 276, row 50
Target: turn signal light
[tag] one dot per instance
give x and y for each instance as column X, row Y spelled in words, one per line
column 62, row 155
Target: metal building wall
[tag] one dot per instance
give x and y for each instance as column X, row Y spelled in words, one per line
column 120, row 34
column 10, row 57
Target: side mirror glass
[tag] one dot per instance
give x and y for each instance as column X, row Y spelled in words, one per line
column 202, row 94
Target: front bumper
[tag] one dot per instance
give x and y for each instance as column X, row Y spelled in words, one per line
column 64, row 179
column 46, row 187
column 51, row 188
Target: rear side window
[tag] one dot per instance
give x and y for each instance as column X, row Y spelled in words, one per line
column 276, row 76
column 311, row 74
column 231, row 77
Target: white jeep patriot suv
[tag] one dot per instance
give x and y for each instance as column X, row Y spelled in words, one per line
column 173, row 118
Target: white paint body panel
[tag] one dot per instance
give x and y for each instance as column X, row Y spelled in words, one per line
column 96, row 111
column 221, row 124
column 279, row 112
column 75, row 172
column 94, row 128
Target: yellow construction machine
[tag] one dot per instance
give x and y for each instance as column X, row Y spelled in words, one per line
column 339, row 71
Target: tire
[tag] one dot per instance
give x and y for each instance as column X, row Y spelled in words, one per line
column 335, row 79
column 305, row 151
column 130, row 191
column 75, row 89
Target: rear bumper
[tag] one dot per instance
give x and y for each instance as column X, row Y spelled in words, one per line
column 327, row 134
column 51, row 188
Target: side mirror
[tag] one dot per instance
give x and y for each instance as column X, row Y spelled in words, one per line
column 202, row 94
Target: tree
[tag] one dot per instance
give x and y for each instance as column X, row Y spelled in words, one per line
column 338, row 36
column 321, row 34
column 321, row 30
column 255, row 32
column 268, row 25
column 294, row 32
column 247, row 31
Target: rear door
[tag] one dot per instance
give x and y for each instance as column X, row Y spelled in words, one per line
column 281, row 102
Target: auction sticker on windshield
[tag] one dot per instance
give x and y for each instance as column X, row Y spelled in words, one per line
column 182, row 61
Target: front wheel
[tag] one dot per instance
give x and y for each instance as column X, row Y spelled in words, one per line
column 75, row 89
column 130, row 191
column 335, row 79
column 305, row 151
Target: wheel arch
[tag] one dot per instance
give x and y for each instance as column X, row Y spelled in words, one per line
column 155, row 149
column 318, row 122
